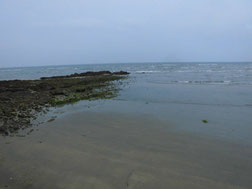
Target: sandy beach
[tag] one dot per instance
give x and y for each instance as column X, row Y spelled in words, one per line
column 103, row 150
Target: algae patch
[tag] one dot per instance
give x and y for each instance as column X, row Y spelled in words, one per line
column 204, row 121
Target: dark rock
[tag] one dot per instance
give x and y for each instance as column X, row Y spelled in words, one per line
column 51, row 120
column 58, row 93
column 121, row 73
column 4, row 98
column 80, row 90
column 87, row 74
column 45, row 86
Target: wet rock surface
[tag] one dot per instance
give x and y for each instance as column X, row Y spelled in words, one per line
column 87, row 74
column 22, row 100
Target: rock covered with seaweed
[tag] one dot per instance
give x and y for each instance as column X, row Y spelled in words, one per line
column 21, row 100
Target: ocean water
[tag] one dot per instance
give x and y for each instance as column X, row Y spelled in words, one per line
column 181, row 93
column 162, row 73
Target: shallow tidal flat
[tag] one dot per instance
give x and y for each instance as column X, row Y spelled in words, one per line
column 102, row 150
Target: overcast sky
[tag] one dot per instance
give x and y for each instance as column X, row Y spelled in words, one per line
column 54, row 32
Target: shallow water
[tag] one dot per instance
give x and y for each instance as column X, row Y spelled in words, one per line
column 101, row 150
column 150, row 136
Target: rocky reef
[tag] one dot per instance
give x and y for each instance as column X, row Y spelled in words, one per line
column 22, row 100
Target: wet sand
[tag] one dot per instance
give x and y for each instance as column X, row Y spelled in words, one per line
column 103, row 150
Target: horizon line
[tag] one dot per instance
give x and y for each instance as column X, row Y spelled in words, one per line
column 152, row 62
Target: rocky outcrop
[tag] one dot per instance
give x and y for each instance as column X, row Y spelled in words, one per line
column 85, row 74
column 21, row 100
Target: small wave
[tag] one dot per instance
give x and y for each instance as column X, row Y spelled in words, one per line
column 180, row 81
column 12, row 69
column 208, row 64
column 199, row 71
column 185, row 71
column 196, row 82
column 204, row 82
column 147, row 71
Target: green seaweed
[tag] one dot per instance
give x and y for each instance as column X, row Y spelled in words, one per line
column 204, row 121
column 19, row 135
